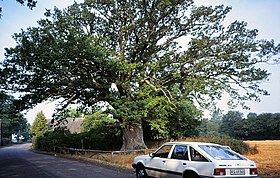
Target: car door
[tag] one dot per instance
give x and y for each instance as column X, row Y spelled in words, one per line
column 156, row 167
column 200, row 163
column 178, row 161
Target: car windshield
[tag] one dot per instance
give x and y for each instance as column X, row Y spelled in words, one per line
column 221, row 153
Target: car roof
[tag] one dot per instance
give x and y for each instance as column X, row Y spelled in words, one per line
column 191, row 143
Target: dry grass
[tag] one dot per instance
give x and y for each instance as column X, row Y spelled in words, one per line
column 267, row 158
column 124, row 160
column 119, row 160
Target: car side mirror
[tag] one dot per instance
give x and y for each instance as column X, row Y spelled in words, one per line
column 152, row 155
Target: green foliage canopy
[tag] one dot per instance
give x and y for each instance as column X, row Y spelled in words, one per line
column 97, row 120
column 126, row 54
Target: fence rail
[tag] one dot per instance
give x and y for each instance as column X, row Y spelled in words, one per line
column 91, row 153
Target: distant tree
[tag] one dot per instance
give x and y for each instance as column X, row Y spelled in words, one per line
column 25, row 132
column 264, row 126
column 241, row 129
column 126, row 54
column 274, row 126
column 252, row 115
column 216, row 115
column 13, row 121
column 233, row 124
column 209, row 128
column 39, row 126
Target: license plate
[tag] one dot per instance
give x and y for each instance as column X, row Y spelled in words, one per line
column 237, row 172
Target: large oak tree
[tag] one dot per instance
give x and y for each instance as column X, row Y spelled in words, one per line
column 126, row 54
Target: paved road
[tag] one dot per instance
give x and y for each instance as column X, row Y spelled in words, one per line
column 16, row 161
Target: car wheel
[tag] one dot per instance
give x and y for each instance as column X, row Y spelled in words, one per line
column 141, row 173
column 191, row 175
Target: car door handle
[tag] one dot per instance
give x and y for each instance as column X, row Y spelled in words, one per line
column 164, row 161
column 184, row 164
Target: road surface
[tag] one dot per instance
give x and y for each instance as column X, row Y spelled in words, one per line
column 17, row 161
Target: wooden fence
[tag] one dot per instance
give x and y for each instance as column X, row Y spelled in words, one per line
column 90, row 153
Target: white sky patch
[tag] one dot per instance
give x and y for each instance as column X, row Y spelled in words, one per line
column 46, row 107
column 183, row 42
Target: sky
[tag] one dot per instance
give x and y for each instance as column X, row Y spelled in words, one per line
column 259, row 14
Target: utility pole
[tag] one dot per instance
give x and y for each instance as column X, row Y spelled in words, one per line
column 1, row 133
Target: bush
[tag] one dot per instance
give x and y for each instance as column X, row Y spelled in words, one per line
column 35, row 142
column 236, row 145
column 97, row 139
column 254, row 150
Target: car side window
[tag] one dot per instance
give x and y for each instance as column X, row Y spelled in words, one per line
column 163, row 151
column 196, row 156
column 180, row 152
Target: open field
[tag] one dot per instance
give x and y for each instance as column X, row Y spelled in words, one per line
column 268, row 158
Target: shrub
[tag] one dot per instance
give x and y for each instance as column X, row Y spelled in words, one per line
column 254, row 150
column 236, row 145
column 98, row 139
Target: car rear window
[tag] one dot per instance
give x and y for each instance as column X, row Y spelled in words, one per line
column 220, row 153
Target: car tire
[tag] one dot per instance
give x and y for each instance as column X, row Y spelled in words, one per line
column 141, row 172
column 191, row 175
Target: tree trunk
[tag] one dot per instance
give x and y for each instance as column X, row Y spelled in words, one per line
column 133, row 138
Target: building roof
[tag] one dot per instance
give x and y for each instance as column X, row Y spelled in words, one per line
column 72, row 124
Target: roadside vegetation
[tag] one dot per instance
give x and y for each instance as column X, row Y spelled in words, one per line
column 101, row 132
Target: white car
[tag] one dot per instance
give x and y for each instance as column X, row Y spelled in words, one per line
column 194, row 160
